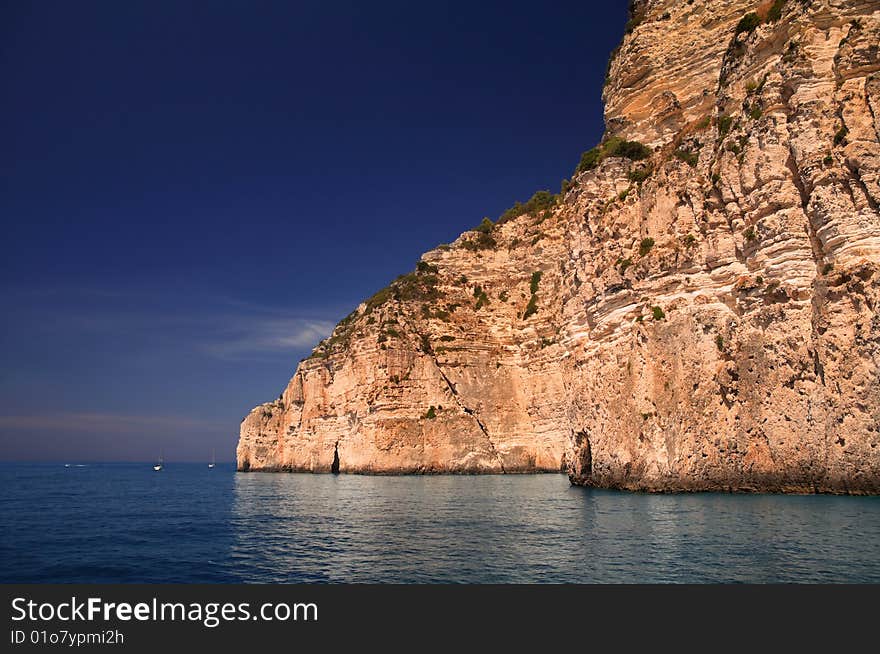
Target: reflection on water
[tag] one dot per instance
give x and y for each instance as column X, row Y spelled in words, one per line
column 126, row 523
column 290, row 528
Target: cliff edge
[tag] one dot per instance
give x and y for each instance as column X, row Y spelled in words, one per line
column 697, row 309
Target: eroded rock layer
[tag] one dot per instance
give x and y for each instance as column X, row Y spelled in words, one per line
column 698, row 309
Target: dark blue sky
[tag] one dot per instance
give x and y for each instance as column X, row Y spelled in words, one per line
column 193, row 193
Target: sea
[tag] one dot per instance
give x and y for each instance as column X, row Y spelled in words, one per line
column 109, row 523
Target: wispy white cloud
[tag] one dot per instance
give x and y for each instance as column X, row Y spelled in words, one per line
column 265, row 335
column 216, row 326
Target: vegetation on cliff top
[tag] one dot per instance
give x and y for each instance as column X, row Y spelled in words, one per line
column 541, row 201
column 613, row 147
column 747, row 23
column 752, row 20
column 636, row 14
column 421, row 284
column 483, row 239
column 639, row 175
column 417, row 286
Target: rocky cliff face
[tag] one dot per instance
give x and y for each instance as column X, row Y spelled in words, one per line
column 698, row 309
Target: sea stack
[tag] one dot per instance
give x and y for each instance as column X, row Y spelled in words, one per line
column 697, row 309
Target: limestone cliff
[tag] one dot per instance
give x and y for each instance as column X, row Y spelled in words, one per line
column 697, row 309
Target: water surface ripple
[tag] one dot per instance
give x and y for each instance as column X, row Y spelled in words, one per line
column 126, row 523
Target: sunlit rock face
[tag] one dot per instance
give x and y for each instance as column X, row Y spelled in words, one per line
column 700, row 313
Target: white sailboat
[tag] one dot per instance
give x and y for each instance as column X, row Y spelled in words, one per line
column 213, row 459
column 158, row 465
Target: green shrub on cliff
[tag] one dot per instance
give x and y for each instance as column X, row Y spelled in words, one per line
column 540, row 201
column 613, row 147
column 639, row 175
column 748, row 23
column 590, row 159
column 483, row 241
column 775, row 12
column 415, row 287
column 379, row 298
column 535, row 280
column 690, row 158
column 425, row 267
column 485, row 227
column 751, row 21
column 531, row 307
column 617, row 147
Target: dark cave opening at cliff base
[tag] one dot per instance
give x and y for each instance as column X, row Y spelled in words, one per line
column 334, row 467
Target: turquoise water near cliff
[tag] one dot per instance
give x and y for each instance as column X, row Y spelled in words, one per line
column 189, row 524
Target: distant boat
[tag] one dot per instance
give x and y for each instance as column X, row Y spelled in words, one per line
column 158, row 465
column 213, row 459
